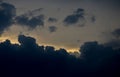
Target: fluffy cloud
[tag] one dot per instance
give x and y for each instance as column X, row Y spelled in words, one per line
column 51, row 19
column 100, row 58
column 114, row 43
column 116, row 33
column 8, row 17
column 30, row 59
column 75, row 17
column 31, row 22
column 79, row 17
column 26, row 41
column 7, row 12
column 79, row 11
column 52, row 28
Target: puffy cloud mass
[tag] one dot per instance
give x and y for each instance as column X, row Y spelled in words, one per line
column 26, row 41
column 79, row 17
column 114, row 43
column 79, row 11
column 75, row 17
column 116, row 33
column 31, row 22
column 51, row 19
column 7, row 18
column 52, row 28
column 30, row 59
column 7, row 12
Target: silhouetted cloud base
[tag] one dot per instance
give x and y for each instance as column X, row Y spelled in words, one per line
column 31, row 60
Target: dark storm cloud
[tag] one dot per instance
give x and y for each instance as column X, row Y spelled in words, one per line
column 75, row 17
column 7, row 12
column 116, row 33
column 31, row 22
column 26, row 41
column 49, row 49
column 52, row 28
column 30, row 59
column 113, row 43
column 77, row 54
column 94, row 50
column 100, row 56
column 51, row 19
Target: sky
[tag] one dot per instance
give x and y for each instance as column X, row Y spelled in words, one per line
column 65, row 23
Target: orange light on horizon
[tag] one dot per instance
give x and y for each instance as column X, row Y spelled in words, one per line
column 14, row 41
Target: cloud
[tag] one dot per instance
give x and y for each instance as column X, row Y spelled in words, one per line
column 75, row 17
column 22, row 20
column 79, row 11
column 79, row 18
column 31, row 22
column 72, row 19
column 26, row 41
column 31, row 19
column 52, row 19
column 7, row 12
column 8, row 17
column 34, row 12
column 93, row 19
column 49, row 48
column 116, row 33
column 52, row 29
column 35, row 21
column 77, row 54
column 30, row 59
column 98, row 56
column 113, row 43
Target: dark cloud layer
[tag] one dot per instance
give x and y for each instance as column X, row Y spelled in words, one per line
column 27, row 41
column 7, row 12
column 31, row 22
column 114, row 43
column 79, row 11
column 31, row 19
column 72, row 19
column 75, row 17
column 116, row 33
column 52, row 28
column 78, row 17
column 30, row 59
column 51, row 19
